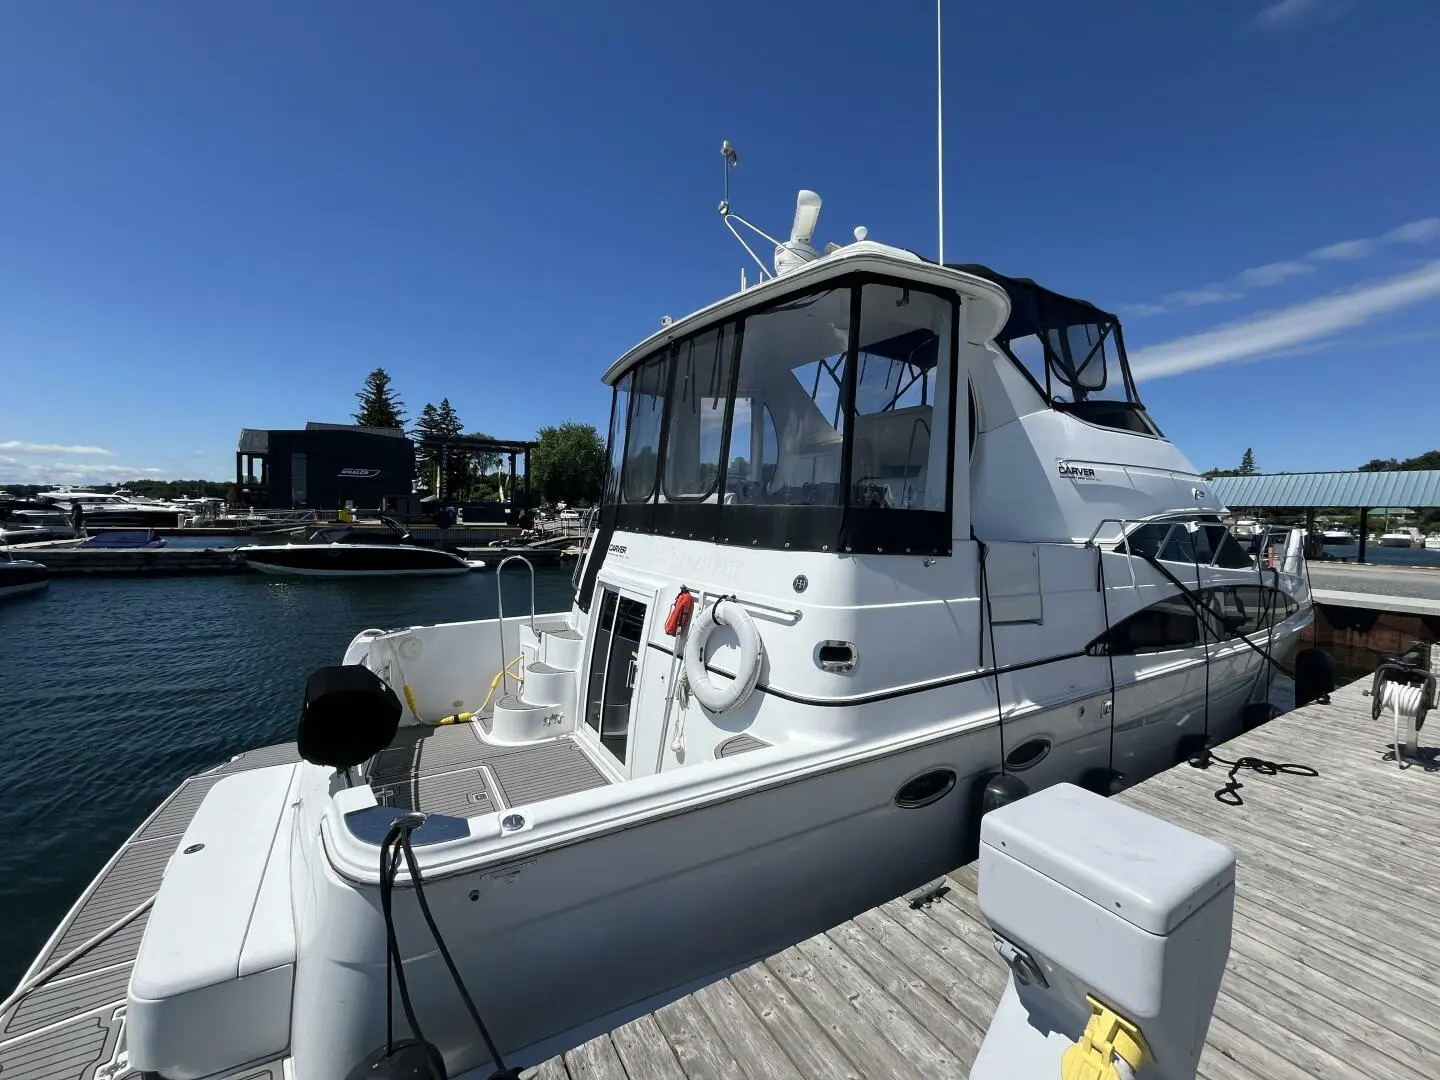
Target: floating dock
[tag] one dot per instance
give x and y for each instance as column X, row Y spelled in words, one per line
column 146, row 562
column 1332, row 968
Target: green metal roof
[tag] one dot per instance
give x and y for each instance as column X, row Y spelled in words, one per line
column 1420, row 488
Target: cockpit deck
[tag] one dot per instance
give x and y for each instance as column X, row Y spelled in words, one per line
column 452, row 770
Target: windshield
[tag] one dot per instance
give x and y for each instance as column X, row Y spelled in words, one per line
column 838, row 400
column 1072, row 351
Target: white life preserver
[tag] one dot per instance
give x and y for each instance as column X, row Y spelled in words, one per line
column 730, row 695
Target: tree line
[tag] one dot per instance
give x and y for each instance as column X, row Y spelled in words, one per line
column 567, row 465
column 1428, row 460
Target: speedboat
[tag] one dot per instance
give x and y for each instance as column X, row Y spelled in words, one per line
column 882, row 542
column 341, row 551
column 1404, row 537
column 19, row 577
column 1337, row 535
column 1432, row 540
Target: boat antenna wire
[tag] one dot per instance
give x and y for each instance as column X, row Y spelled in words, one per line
column 940, row 130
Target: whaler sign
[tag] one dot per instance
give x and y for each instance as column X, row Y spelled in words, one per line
column 1076, row 472
column 360, row 474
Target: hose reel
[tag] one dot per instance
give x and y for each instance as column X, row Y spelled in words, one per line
column 1404, row 686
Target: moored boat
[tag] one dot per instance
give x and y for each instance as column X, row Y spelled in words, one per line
column 20, row 577
column 878, row 536
column 340, row 551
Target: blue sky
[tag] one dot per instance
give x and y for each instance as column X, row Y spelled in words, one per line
column 216, row 216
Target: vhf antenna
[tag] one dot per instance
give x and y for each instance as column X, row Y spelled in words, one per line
column 798, row 250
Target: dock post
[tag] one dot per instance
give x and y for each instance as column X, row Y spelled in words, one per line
column 1364, row 526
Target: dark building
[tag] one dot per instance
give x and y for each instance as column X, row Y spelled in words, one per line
column 324, row 466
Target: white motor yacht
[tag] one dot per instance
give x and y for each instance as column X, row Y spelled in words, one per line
column 120, row 509
column 1406, row 536
column 882, row 541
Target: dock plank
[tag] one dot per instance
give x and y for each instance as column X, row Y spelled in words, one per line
column 1332, row 959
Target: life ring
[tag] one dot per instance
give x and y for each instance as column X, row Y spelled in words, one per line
column 733, row 694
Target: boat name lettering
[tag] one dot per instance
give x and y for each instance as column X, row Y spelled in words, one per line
column 365, row 474
column 1077, row 472
column 617, row 549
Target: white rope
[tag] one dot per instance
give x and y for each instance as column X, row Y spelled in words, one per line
column 1401, row 699
column 44, row 974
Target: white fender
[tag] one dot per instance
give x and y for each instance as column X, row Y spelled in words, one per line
column 722, row 698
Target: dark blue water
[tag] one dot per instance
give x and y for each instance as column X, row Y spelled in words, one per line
column 113, row 691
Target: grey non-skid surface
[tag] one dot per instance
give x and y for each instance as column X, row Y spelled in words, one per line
column 440, row 770
column 1332, row 969
column 66, row 1028
column 739, row 744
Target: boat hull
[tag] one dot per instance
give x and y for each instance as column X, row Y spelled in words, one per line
column 352, row 560
column 22, row 578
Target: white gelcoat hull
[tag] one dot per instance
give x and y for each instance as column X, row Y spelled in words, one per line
column 296, row 571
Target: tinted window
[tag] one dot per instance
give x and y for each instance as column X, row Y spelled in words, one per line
column 1249, row 609
column 1226, row 550
column 1168, row 624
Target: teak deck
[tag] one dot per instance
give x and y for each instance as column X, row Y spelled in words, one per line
column 1333, row 964
column 1332, row 968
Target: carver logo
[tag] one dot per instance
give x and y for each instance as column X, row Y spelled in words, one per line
column 617, row 549
column 1076, row 472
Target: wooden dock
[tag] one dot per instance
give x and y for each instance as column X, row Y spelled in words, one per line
column 1334, row 967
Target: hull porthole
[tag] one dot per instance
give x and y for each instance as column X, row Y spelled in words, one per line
column 1029, row 753
column 925, row 789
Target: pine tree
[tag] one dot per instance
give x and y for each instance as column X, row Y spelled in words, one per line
column 441, row 422
column 380, row 404
column 1247, row 463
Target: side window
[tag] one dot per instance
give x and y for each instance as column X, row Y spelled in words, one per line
column 1144, row 541
column 1249, row 609
column 619, row 415
column 642, row 448
column 1165, row 625
column 697, row 415
column 1226, row 550
column 900, row 455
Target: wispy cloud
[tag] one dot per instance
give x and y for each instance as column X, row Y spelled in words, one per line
column 1301, row 324
column 1345, row 249
column 1273, row 273
column 1415, row 232
column 1210, row 294
column 14, row 470
column 19, row 447
column 199, row 453
column 1282, row 13
column 1277, row 273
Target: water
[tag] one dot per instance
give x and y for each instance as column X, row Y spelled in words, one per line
column 112, row 692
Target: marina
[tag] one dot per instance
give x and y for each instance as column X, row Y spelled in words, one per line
column 696, row 739
column 595, row 667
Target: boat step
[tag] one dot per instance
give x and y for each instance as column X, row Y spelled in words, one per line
column 550, row 684
column 562, row 648
column 516, row 720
